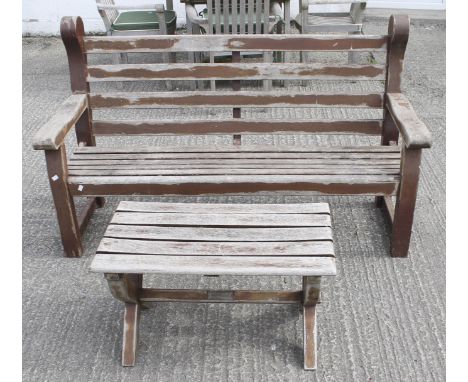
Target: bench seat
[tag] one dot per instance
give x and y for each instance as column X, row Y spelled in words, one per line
column 191, row 170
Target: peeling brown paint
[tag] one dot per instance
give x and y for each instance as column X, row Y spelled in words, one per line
column 218, row 43
column 123, row 45
column 226, row 99
column 192, row 71
column 194, row 188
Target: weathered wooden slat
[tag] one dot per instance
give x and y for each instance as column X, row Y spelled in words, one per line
column 234, row 71
column 225, row 208
column 223, row 296
column 242, row 16
column 234, row 23
column 209, row 6
column 250, row 16
column 266, row 16
column 232, row 99
column 241, row 126
column 225, row 16
column 232, row 180
column 241, row 163
column 98, row 186
column 118, row 188
column 258, row 16
column 226, row 265
column 231, row 171
column 236, row 156
column 216, row 234
column 219, row 248
column 231, row 148
column 245, row 43
column 203, row 219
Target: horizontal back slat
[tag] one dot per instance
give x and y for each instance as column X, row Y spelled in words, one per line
column 232, row 99
column 237, row 71
column 239, row 126
column 228, row 43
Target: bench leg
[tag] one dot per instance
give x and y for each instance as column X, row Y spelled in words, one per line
column 126, row 288
column 310, row 338
column 405, row 203
column 64, row 204
column 130, row 333
column 311, row 296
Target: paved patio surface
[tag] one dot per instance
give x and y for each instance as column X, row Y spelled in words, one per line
column 382, row 319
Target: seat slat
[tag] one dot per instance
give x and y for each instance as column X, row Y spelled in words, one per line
column 233, row 99
column 226, row 265
column 239, row 126
column 234, row 71
column 243, row 163
column 204, row 219
column 225, row 208
column 219, row 248
column 230, row 171
column 217, row 234
column 233, row 148
column 227, row 43
column 236, row 156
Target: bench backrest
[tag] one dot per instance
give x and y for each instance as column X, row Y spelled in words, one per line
column 388, row 74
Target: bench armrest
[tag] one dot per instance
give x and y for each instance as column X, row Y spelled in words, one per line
column 414, row 132
column 51, row 135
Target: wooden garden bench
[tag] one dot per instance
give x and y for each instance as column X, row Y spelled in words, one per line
column 385, row 170
column 216, row 239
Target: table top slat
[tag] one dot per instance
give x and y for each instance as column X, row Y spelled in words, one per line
column 245, row 234
column 219, row 248
column 225, row 208
column 260, row 220
column 215, row 265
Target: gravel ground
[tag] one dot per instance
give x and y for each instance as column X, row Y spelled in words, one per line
column 382, row 319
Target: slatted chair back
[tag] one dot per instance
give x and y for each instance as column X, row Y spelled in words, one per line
column 318, row 21
column 83, row 75
column 108, row 15
column 238, row 16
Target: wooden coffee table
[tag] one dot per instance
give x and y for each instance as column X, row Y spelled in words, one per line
column 216, row 239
